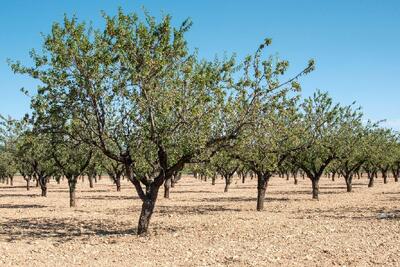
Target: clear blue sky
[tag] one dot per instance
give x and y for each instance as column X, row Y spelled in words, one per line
column 356, row 43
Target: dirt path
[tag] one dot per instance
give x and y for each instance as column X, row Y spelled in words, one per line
column 202, row 226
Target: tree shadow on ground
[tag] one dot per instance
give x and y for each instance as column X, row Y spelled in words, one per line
column 353, row 213
column 194, row 210
column 122, row 197
column 19, row 195
column 11, row 206
column 304, row 192
column 6, row 188
column 242, row 199
column 60, row 230
column 191, row 191
column 338, row 187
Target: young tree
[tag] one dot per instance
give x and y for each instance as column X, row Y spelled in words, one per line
column 115, row 170
column 351, row 150
column 72, row 158
column 323, row 121
column 226, row 165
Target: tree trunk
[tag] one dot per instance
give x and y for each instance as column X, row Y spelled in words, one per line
column 396, row 175
column 243, row 178
column 11, row 180
column 42, row 181
column 333, row 176
column 349, row 184
column 72, row 186
column 118, row 182
column 315, row 187
column 295, row 180
column 148, row 205
column 213, row 178
column 90, row 178
column 384, row 174
column 227, row 183
column 95, row 178
column 262, row 183
column 7, row 180
column 145, row 216
column 167, row 187
column 371, row 179
column 27, row 184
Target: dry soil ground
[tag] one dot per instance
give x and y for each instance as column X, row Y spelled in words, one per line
column 202, row 226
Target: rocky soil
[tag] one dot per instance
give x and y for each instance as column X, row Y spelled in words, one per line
column 202, row 226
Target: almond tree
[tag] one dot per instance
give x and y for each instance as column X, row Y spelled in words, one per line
column 352, row 149
column 115, row 170
column 33, row 151
column 140, row 96
column 323, row 121
column 226, row 165
column 72, row 157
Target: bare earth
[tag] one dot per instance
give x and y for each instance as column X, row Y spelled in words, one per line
column 202, row 226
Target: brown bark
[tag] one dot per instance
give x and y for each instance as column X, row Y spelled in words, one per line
column 90, row 178
column 384, row 175
column 43, row 185
column 371, row 179
column 349, row 184
column 118, row 183
column 72, row 188
column 227, row 183
column 262, row 183
column 167, row 187
column 145, row 216
column 213, row 178
column 315, row 187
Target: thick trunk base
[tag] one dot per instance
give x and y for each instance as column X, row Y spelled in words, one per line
column 145, row 216
column 315, row 188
